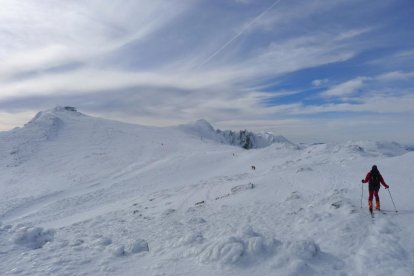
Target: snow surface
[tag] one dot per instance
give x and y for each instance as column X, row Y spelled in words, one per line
column 86, row 196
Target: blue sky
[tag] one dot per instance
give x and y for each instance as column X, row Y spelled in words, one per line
column 309, row 70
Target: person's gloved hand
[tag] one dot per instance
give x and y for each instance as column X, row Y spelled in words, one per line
column 386, row 186
column 363, row 181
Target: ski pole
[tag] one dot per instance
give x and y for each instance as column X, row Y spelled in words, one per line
column 362, row 192
column 392, row 200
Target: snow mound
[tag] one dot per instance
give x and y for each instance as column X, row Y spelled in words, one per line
column 138, row 246
column 33, row 237
column 119, row 251
column 298, row 257
column 247, row 246
column 191, row 238
column 103, row 241
column 133, row 247
column 302, row 249
column 243, row 138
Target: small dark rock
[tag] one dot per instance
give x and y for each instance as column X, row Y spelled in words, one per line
column 337, row 204
column 70, row 108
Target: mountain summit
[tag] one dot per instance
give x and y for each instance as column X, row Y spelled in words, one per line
column 56, row 112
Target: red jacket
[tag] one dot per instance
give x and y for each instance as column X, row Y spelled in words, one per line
column 382, row 181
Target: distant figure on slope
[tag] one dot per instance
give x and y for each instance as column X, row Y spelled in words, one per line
column 374, row 178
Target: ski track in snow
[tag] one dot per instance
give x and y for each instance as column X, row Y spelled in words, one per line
column 95, row 197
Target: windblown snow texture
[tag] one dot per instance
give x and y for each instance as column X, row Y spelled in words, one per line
column 86, row 196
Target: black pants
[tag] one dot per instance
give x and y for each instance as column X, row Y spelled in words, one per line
column 373, row 191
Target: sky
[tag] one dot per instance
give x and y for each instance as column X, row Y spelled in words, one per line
column 311, row 70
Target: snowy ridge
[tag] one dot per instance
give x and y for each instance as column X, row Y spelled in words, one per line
column 88, row 196
column 378, row 148
column 245, row 139
column 363, row 148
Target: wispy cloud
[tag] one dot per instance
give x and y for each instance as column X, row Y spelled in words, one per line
column 232, row 61
column 395, row 75
column 318, row 83
column 40, row 35
column 379, row 104
column 345, row 89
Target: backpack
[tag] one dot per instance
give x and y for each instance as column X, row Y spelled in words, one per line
column 375, row 177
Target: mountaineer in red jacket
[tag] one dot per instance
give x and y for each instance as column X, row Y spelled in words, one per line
column 374, row 178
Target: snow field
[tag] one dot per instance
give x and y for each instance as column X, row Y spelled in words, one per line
column 87, row 196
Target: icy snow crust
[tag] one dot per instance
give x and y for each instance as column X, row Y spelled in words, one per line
column 87, row 196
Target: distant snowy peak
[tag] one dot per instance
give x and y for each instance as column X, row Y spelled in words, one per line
column 201, row 127
column 243, row 138
column 45, row 125
column 23, row 142
column 363, row 148
column 57, row 112
column 377, row 148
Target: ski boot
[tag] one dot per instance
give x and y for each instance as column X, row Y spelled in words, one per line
column 377, row 205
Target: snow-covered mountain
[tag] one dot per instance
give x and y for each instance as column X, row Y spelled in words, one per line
column 87, row 196
column 363, row 148
column 243, row 138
